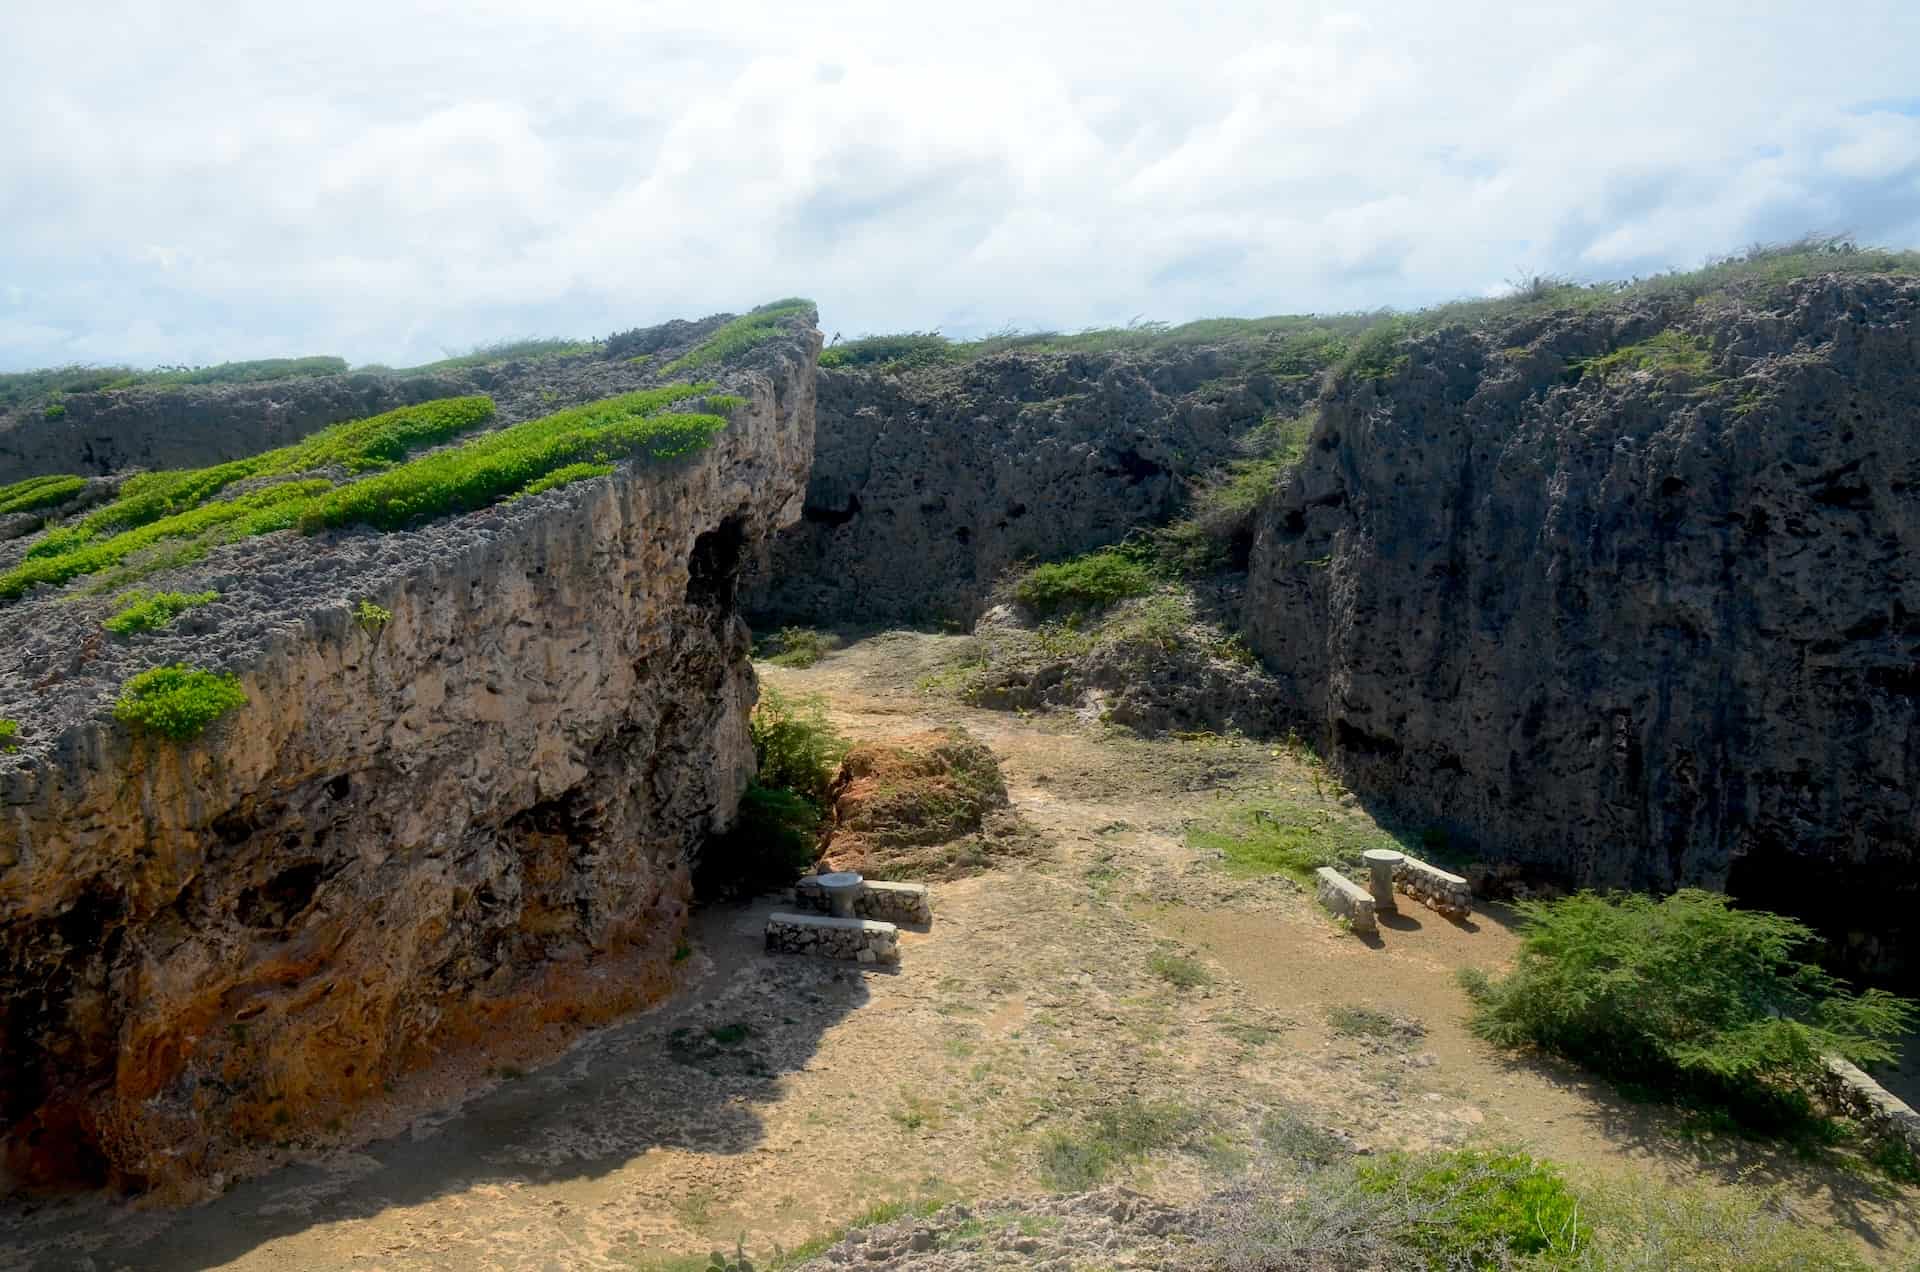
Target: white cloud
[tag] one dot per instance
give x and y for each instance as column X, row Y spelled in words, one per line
column 388, row 181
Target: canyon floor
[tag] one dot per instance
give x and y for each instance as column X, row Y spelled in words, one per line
column 1110, row 967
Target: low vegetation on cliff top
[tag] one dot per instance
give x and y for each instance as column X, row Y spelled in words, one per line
column 1689, row 997
column 371, row 481
column 748, row 331
column 177, row 702
column 39, row 492
column 19, row 388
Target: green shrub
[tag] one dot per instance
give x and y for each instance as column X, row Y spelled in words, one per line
column 798, row 647
column 39, row 492
column 741, row 334
column 1178, row 971
column 177, row 702
column 1672, row 352
column 497, row 464
column 9, row 731
column 777, row 833
column 1260, row 840
column 180, row 505
column 1379, row 353
column 146, row 612
column 565, row 476
column 1089, row 582
column 372, row 618
column 891, row 354
column 796, row 747
column 1480, row 1205
column 1688, row 996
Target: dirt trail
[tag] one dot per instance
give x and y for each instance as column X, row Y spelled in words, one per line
column 779, row 1097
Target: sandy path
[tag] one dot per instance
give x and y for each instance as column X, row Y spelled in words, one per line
column 1030, row 1002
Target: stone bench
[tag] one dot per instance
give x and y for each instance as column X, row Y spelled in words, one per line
column 858, row 940
column 1346, row 898
column 1863, row 1098
column 1434, row 888
column 888, row 902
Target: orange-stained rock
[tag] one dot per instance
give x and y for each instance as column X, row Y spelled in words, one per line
column 472, row 824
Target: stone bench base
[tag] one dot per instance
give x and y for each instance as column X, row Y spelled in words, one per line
column 1434, row 888
column 857, row 940
column 887, row 902
column 1865, row 1099
column 1346, row 898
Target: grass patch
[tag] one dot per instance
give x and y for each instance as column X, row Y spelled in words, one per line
column 39, row 492
column 9, row 736
column 146, row 612
column 1090, row 582
column 1293, row 1137
column 177, row 702
column 1179, row 971
column 1078, row 1160
column 1258, row 839
column 1371, row 1022
column 1671, row 352
column 1689, row 998
column 22, row 387
column 741, row 334
column 798, row 647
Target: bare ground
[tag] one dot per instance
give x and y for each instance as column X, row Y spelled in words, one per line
column 776, row 1098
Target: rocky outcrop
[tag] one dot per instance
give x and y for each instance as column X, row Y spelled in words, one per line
column 1630, row 595
column 474, row 815
column 928, row 485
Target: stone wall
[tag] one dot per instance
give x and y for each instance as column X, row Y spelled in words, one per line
column 856, row 940
column 1643, row 628
column 888, row 902
column 1439, row 891
column 477, row 816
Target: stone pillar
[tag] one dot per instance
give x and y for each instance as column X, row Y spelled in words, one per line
column 1381, row 862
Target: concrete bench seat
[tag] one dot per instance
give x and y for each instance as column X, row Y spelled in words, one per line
column 887, row 902
column 857, row 940
column 1347, row 899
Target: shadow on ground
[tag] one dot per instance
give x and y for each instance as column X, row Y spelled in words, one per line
column 687, row 1075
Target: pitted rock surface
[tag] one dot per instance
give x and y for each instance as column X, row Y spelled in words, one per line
column 1642, row 629
column 928, row 486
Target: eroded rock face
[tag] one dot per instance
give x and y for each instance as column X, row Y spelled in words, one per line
column 1646, row 628
column 476, row 816
column 927, row 486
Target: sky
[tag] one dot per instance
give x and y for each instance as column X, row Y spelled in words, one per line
column 191, row 182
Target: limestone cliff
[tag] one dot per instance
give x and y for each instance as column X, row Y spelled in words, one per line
column 927, row 485
column 474, row 816
column 1632, row 595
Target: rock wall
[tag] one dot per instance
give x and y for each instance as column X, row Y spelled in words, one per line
column 926, row 486
column 475, row 817
column 1644, row 627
